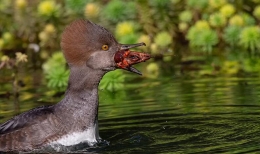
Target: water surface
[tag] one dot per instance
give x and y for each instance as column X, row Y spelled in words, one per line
column 168, row 115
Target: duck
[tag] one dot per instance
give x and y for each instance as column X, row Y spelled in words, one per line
column 90, row 51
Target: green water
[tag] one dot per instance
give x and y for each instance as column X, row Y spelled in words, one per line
column 167, row 115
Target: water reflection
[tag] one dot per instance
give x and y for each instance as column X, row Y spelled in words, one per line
column 192, row 116
column 210, row 115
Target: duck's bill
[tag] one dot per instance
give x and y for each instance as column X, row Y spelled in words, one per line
column 124, row 58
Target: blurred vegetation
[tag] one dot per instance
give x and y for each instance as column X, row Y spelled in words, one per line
column 196, row 37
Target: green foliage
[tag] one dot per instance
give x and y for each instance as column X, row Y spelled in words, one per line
column 251, row 64
column 193, row 33
column 197, row 4
column 76, row 5
column 227, row 10
column 202, row 38
column 5, row 5
column 56, row 72
column 146, row 39
column 152, row 70
column 47, row 35
column 56, row 61
column 58, row 79
column 154, row 16
column 115, row 12
column 230, row 67
column 113, row 81
column 129, row 39
column 231, row 35
column 163, row 39
column 202, row 24
column 217, row 20
column 183, row 26
column 164, row 23
column 92, row 10
column 250, row 38
column 207, row 39
column 185, row 16
column 159, row 3
column 126, row 32
column 236, row 20
column 175, row 1
column 124, row 28
column 256, row 12
column 217, row 3
column 49, row 8
column 249, row 20
column 7, row 40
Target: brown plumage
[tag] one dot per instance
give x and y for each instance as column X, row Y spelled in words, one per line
column 75, row 39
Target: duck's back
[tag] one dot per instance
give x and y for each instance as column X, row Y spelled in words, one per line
column 29, row 130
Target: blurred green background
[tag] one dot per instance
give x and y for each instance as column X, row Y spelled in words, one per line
column 186, row 37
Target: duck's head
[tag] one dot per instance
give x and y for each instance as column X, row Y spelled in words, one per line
column 85, row 43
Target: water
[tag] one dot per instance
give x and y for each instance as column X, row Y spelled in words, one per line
column 170, row 115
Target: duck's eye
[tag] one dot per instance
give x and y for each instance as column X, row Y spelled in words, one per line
column 105, row 47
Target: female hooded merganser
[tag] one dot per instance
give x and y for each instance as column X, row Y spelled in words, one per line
column 90, row 51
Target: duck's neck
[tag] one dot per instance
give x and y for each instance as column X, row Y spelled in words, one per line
column 83, row 79
column 81, row 98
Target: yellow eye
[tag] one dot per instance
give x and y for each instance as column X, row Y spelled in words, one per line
column 105, row 47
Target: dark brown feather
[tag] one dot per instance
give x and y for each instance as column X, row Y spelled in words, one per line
column 29, row 130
